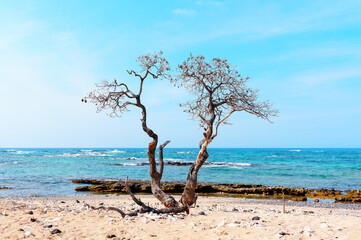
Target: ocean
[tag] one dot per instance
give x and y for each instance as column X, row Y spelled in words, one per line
column 44, row 171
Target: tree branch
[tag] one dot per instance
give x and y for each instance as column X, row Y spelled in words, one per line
column 144, row 208
column 219, row 123
column 161, row 162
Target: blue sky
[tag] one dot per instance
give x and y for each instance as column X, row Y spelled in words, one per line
column 304, row 56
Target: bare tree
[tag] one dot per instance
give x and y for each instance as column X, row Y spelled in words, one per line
column 219, row 91
column 117, row 98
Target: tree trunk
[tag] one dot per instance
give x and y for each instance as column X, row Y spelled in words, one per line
column 188, row 196
column 165, row 199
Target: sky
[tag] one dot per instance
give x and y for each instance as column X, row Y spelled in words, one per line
column 303, row 56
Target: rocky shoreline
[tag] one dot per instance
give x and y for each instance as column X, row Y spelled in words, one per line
column 223, row 189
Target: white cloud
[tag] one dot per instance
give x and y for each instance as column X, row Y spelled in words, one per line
column 180, row 11
column 217, row 3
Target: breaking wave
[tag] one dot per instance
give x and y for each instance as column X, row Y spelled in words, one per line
column 228, row 164
column 82, row 154
column 20, row 152
column 118, row 151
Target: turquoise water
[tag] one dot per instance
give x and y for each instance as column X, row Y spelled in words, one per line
column 49, row 171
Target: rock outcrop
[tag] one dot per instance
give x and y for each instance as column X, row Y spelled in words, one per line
column 351, row 196
column 177, row 187
column 224, row 189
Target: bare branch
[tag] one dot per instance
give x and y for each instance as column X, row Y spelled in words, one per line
column 136, row 200
column 161, row 162
column 135, row 74
column 107, row 209
column 221, row 121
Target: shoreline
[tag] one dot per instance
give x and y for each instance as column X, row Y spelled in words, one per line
column 212, row 218
column 253, row 201
column 247, row 191
column 224, row 190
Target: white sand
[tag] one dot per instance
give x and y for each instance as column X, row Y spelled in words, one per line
column 222, row 220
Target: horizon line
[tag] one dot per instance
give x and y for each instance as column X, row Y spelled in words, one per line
column 181, row 147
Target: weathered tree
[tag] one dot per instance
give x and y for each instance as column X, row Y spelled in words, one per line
column 117, row 98
column 219, row 91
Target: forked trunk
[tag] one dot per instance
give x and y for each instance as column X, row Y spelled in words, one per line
column 165, row 199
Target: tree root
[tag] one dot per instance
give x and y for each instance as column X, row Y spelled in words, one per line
column 144, row 207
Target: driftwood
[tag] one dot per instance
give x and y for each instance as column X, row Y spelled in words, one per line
column 144, row 208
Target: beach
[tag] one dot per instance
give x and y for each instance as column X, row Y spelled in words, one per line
column 228, row 119
column 67, row 217
column 38, row 198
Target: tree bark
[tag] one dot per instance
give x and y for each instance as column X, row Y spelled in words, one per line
column 144, row 208
column 189, row 194
column 165, row 199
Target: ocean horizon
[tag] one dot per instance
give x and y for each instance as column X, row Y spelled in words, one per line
column 49, row 171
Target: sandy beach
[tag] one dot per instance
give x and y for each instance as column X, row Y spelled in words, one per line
column 66, row 217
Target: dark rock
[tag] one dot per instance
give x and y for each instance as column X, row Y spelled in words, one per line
column 48, row 226
column 101, row 204
column 111, row 236
column 62, row 202
column 30, row 212
column 152, row 235
column 201, row 213
column 234, row 210
column 179, row 163
column 55, row 231
column 32, row 219
column 93, row 181
column 21, row 230
column 142, row 164
column 283, row 233
column 77, row 201
column 256, row 218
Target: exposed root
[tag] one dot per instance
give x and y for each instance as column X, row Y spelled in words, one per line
column 144, row 207
column 109, row 208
